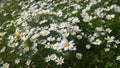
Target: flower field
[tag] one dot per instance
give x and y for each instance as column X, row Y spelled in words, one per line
column 59, row 34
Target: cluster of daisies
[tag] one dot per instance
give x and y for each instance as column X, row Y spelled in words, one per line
column 55, row 25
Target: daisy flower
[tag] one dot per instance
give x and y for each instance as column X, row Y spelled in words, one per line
column 53, row 57
column 87, row 19
column 66, row 45
column 97, row 42
column 88, row 46
column 47, row 59
column 2, row 33
column 79, row 55
column 57, row 46
column 17, row 61
column 28, row 62
column 44, row 32
column 110, row 16
column 6, row 65
column 118, row 58
column 99, row 29
column 110, row 39
column 75, row 20
column 60, row 61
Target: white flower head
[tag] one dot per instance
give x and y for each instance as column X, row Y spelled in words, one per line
column 88, row 46
column 110, row 16
column 57, row 46
column 47, row 59
column 87, row 18
column 2, row 33
column 74, row 12
column 108, row 30
column 6, row 65
column 117, row 8
column 3, row 49
column 107, row 49
column 59, row 38
column 75, row 20
column 96, row 34
column 53, row 57
column 110, row 39
column 51, row 38
column 79, row 55
column 17, row 61
column 92, row 38
column 35, row 36
column 60, row 61
column 28, row 62
column 26, row 49
column 84, row 13
column 97, row 42
column 99, row 29
column 79, row 37
column 44, row 32
column 117, row 41
column 60, row 13
column 66, row 45
column 17, row 32
column 63, row 24
column 74, row 48
column 65, row 35
column 118, row 58
column 14, row 44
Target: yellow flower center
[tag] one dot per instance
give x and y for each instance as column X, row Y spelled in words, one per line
column 84, row 14
column 57, row 46
column 97, row 41
column 66, row 44
column 17, row 34
column 110, row 16
column 27, row 49
column 87, row 19
column 59, row 61
column 13, row 45
column 109, row 39
column 45, row 32
column 28, row 62
column 6, row 67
